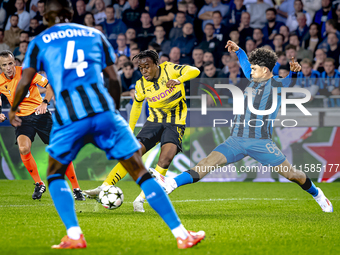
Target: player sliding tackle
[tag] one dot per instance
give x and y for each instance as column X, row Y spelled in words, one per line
column 253, row 141
column 162, row 85
column 85, row 113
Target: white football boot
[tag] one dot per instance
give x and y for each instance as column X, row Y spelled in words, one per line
column 93, row 193
column 167, row 183
column 138, row 204
column 323, row 201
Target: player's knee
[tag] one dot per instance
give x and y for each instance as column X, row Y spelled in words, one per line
column 24, row 150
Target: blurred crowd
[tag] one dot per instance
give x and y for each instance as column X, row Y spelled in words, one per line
column 195, row 32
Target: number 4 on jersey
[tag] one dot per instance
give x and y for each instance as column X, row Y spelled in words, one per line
column 80, row 65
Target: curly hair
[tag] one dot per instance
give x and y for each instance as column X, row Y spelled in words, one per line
column 148, row 53
column 263, row 57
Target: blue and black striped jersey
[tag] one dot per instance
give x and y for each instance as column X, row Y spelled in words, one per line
column 73, row 57
column 262, row 96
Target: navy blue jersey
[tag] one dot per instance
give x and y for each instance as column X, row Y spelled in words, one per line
column 328, row 84
column 73, row 57
column 262, row 95
column 307, row 82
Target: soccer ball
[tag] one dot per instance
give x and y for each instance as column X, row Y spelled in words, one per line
column 111, row 197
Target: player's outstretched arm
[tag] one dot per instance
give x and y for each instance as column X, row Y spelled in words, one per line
column 186, row 73
column 114, row 85
column 242, row 57
column 20, row 93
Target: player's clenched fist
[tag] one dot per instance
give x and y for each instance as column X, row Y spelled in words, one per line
column 294, row 66
column 232, row 47
column 172, row 83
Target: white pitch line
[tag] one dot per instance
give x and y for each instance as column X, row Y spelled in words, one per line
column 191, row 200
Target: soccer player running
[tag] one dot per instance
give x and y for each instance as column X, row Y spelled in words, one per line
column 162, row 86
column 250, row 141
column 35, row 117
column 85, row 113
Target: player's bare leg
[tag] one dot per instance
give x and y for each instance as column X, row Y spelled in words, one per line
column 299, row 177
column 168, row 152
column 24, row 144
column 160, row 202
column 63, row 201
column 194, row 174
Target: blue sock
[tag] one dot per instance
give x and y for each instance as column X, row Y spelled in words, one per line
column 159, row 200
column 313, row 190
column 63, row 200
column 310, row 187
column 183, row 178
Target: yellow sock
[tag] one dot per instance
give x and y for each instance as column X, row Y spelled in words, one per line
column 116, row 174
column 160, row 170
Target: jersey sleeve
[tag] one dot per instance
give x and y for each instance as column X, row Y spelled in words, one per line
column 244, row 62
column 181, row 72
column 32, row 56
column 40, row 80
column 139, row 91
column 109, row 57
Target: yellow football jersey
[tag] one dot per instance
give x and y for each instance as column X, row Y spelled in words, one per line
column 166, row 105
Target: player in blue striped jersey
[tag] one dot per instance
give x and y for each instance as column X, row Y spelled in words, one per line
column 330, row 81
column 73, row 57
column 307, row 78
column 251, row 141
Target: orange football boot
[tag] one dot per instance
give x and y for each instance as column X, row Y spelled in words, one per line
column 68, row 243
column 193, row 239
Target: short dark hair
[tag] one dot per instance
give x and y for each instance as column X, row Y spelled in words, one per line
column 23, row 42
column 15, row 15
column 24, row 32
column 41, row 2
column 271, row 9
column 166, row 55
column 208, row 63
column 6, row 53
column 263, row 57
column 258, row 29
column 280, row 35
column 128, row 63
column 217, row 12
column 284, row 67
column 181, row 13
column 331, row 22
column 209, row 24
column 280, row 53
column 290, row 46
column 156, row 46
column 148, row 54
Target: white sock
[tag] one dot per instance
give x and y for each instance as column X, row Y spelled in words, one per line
column 74, row 233
column 180, row 231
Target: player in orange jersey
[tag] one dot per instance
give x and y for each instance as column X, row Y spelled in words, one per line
column 35, row 117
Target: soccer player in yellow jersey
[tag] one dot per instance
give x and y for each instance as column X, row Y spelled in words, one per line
column 162, row 87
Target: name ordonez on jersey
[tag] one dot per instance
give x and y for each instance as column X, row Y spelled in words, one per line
column 67, row 33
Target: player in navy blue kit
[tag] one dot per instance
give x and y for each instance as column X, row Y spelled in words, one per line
column 246, row 140
column 73, row 57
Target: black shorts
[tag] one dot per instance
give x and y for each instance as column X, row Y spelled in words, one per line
column 153, row 133
column 32, row 124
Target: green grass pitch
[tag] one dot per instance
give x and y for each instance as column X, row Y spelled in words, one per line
column 238, row 218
